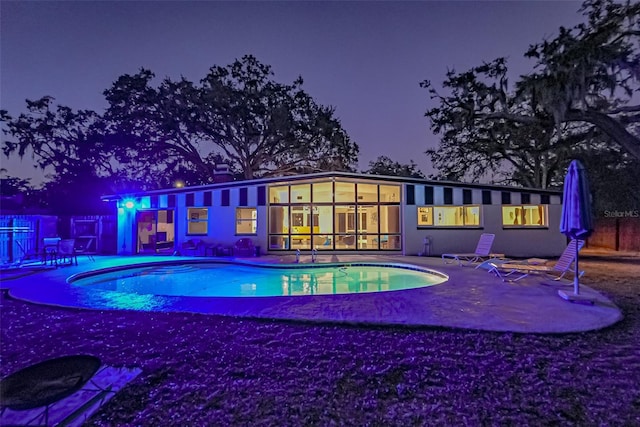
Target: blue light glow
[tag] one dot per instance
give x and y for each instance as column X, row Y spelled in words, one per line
column 128, row 203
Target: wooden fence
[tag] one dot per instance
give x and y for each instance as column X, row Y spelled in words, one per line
column 21, row 236
column 619, row 234
column 100, row 233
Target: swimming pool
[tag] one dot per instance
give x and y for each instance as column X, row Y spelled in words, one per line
column 237, row 280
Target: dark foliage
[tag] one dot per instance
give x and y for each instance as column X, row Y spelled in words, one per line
column 383, row 165
column 584, row 87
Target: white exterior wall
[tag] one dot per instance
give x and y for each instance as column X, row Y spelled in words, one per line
column 516, row 242
column 222, row 219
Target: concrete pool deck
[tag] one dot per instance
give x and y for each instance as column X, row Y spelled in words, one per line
column 470, row 299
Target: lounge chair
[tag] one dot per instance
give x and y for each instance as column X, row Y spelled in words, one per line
column 483, row 251
column 244, row 248
column 535, row 265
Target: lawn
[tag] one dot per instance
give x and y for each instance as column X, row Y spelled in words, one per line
column 210, row 370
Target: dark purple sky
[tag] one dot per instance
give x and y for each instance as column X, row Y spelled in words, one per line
column 364, row 58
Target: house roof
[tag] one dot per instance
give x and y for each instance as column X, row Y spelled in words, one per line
column 332, row 174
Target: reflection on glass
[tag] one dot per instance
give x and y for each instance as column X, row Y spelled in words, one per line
column 279, row 219
column 425, row 215
column 367, row 193
column 279, row 194
column 301, row 193
column 472, row 215
column 345, row 192
column 322, row 192
column 389, row 193
column 246, row 220
column 197, row 220
column 525, row 216
column 390, row 219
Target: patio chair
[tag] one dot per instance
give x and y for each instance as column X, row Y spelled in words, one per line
column 84, row 246
column 535, row 265
column 50, row 249
column 244, row 248
column 483, row 251
column 66, row 253
column 195, row 246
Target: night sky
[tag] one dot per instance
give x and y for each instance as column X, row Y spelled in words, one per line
column 364, row 58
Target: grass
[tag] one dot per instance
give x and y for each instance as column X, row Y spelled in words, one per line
column 209, row 370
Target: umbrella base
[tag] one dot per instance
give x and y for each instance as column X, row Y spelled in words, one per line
column 578, row 299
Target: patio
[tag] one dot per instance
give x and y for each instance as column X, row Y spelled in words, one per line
column 471, row 299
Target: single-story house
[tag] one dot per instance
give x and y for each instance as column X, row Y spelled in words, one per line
column 339, row 212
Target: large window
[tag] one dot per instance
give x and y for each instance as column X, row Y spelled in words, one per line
column 198, row 220
column 334, row 215
column 246, row 220
column 524, row 216
column 449, row 216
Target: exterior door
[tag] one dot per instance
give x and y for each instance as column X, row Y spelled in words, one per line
column 155, row 231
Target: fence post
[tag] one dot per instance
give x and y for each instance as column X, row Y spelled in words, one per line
column 10, row 243
column 37, row 231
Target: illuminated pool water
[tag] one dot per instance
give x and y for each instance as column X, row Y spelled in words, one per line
column 233, row 280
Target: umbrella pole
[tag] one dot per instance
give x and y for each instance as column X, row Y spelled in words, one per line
column 576, row 278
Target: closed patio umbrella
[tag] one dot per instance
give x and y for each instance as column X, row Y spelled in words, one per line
column 577, row 219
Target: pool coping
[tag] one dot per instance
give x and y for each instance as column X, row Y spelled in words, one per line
column 470, row 299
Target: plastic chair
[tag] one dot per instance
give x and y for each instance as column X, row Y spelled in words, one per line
column 244, row 248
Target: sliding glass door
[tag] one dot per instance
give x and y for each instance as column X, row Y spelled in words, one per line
column 155, row 231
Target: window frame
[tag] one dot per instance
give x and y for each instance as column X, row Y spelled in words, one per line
column 382, row 219
column 197, row 220
column 240, row 221
column 432, row 212
column 545, row 216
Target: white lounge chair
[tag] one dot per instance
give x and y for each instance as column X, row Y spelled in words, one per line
column 535, row 265
column 483, row 250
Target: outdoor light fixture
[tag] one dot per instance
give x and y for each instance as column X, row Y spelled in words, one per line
column 128, row 203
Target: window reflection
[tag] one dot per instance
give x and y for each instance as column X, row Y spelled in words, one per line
column 524, row 216
column 279, row 194
column 449, row 216
column 301, row 193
